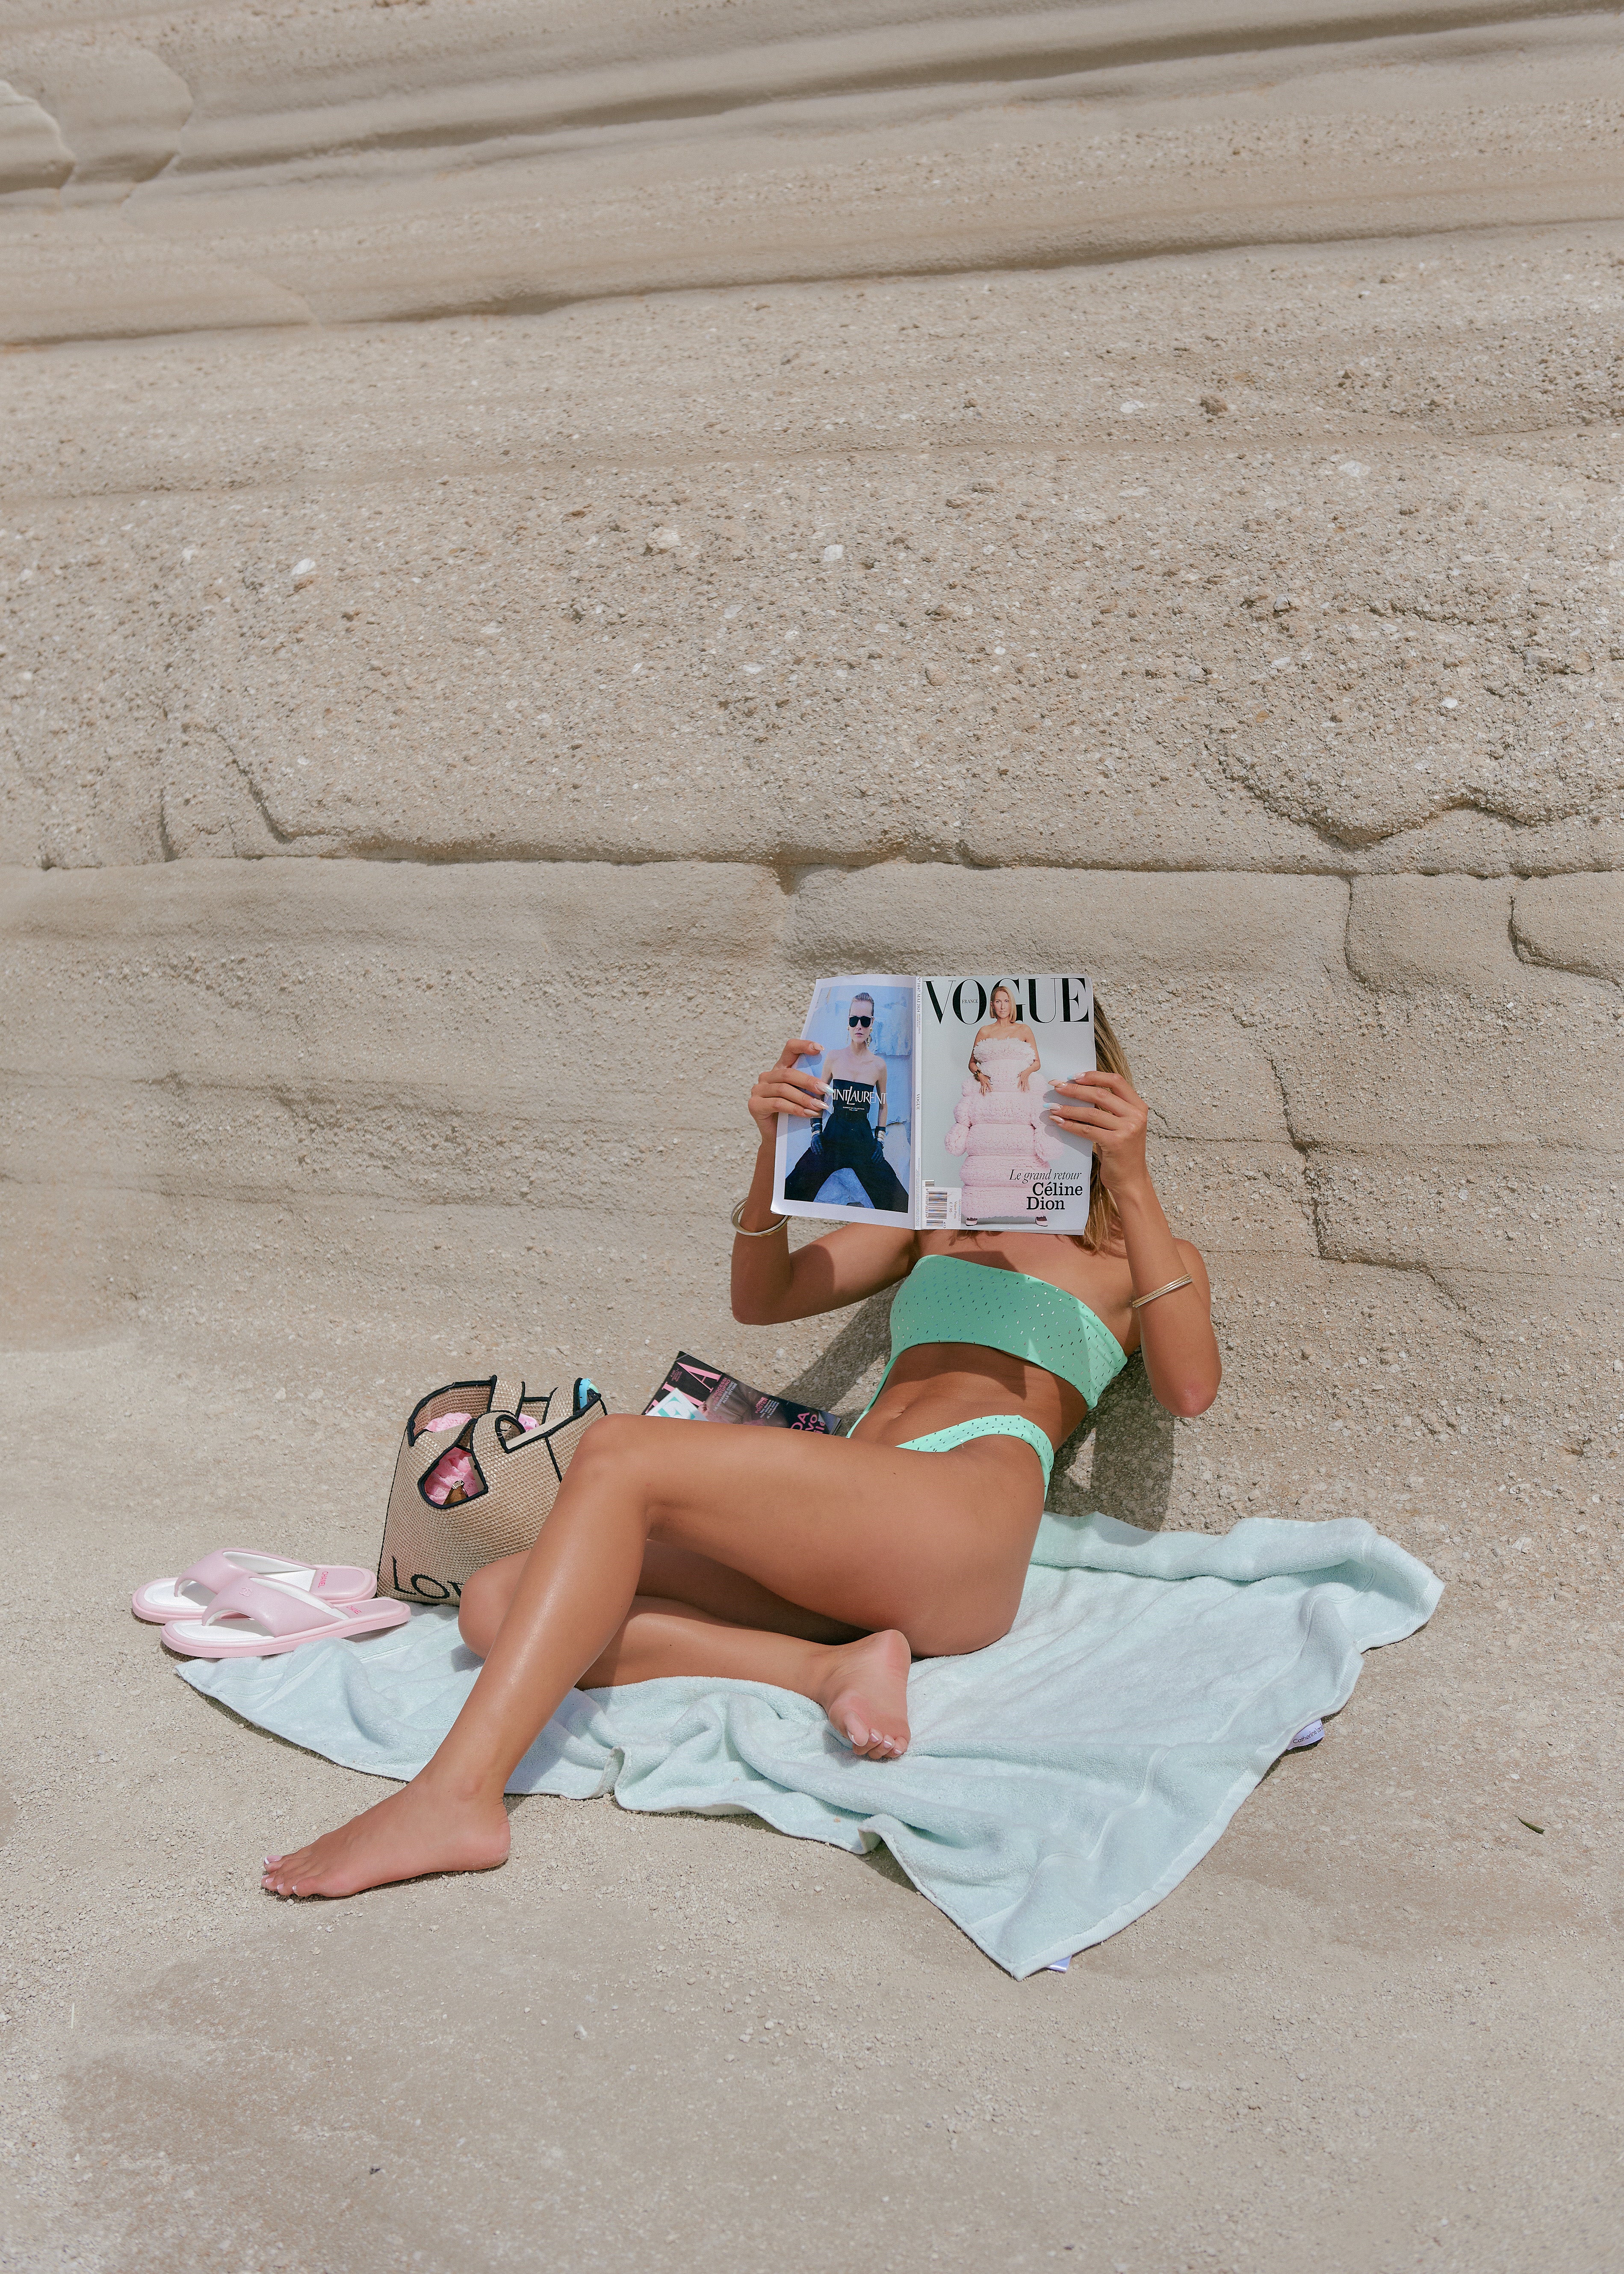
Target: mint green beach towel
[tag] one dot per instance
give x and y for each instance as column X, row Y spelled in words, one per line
column 1058, row 1785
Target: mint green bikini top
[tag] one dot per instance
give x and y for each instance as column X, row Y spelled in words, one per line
column 945, row 1300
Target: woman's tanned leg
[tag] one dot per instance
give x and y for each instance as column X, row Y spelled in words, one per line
column 676, row 1574
column 934, row 1546
column 863, row 1685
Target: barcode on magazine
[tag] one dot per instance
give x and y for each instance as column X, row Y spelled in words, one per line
column 944, row 1207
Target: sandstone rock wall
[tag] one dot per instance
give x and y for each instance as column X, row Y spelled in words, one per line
column 939, row 570
column 292, row 165
column 1135, row 485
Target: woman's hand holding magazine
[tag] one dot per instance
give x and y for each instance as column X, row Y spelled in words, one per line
column 1107, row 1110
column 787, row 1088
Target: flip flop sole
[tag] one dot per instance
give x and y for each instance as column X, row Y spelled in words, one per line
column 212, row 1642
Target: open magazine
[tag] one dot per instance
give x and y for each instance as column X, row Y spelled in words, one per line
column 693, row 1391
column 939, row 1093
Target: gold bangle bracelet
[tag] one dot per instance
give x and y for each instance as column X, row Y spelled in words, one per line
column 1172, row 1288
column 766, row 1230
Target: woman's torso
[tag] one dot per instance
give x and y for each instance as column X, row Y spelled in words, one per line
column 1002, row 1063
column 934, row 1384
column 852, row 1077
column 994, row 1038
column 849, row 1099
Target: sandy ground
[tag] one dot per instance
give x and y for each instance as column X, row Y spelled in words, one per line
column 1378, row 2028
column 523, row 539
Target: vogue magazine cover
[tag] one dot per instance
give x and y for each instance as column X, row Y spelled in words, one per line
column 939, row 1091
column 993, row 1048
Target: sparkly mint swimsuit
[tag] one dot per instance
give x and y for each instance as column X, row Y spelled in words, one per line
column 946, row 1299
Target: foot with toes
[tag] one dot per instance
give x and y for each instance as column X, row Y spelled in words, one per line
column 414, row 1831
column 865, row 1694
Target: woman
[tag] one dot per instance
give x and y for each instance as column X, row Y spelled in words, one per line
column 999, row 1126
column 1005, row 1028
column 821, row 1564
column 846, row 1139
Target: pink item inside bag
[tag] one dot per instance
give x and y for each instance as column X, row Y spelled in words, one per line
column 453, row 1477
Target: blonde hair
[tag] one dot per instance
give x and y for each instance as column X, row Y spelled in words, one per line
column 1112, row 1058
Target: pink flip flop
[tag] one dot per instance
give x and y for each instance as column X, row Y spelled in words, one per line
column 189, row 1595
column 260, row 1618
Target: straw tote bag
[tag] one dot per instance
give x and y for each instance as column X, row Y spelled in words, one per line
column 468, row 1492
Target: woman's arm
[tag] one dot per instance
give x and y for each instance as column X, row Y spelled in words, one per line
column 1176, row 1332
column 985, row 1081
column 880, row 1092
column 770, row 1286
column 1025, row 1035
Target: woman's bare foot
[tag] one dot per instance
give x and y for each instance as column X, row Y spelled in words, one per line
column 416, row 1830
column 866, row 1694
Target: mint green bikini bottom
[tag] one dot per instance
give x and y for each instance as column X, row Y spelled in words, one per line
column 989, row 1424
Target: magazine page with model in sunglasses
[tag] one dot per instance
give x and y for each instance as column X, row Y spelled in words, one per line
column 851, row 1134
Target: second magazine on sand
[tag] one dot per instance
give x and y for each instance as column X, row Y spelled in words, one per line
column 937, row 1116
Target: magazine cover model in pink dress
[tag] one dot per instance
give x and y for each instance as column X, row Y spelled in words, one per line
column 998, row 1124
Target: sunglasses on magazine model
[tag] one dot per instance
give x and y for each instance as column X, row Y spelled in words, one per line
column 859, row 1022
